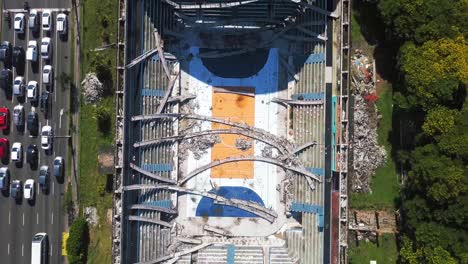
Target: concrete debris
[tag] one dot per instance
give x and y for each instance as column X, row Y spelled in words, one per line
column 368, row 155
column 267, row 152
column 362, row 73
column 243, row 144
column 92, row 88
column 91, row 215
column 199, row 146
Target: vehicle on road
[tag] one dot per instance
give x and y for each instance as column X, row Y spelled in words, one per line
column 33, row 122
column 62, row 24
column 32, row 155
column 4, row 179
column 31, row 92
column 47, row 20
column 31, row 53
column 48, row 75
column 6, row 79
column 47, row 137
column 18, row 58
column 19, row 23
column 17, row 152
column 58, row 167
column 5, row 52
column 44, row 102
column 44, row 177
column 33, row 21
column 18, row 116
column 29, row 189
column 4, row 148
column 16, row 190
column 40, row 249
column 18, row 86
column 4, row 118
column 46, row 48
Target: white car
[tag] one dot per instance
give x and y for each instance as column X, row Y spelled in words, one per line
column 62, row 24
column 18, row 86
column 31, row 91
column 17, row 152
column 29, row 189
column 47, row 137
column 47, row 20
column 47, row 75
column 46, row 48
column 33, row 21
column 31, row 53
column 19, row 23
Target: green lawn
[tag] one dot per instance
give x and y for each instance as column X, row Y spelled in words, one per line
column 99, row 26
column 367, row 251
column 384, row 184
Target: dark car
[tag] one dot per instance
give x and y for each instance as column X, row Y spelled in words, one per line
column 6, row 79
column 44, row 178
column 4, row 179
column 16, row 190
column 58, row 167
column 32, row 155
column 33, row 123
column 5, row 52
column 19, row 57
column 44, row 102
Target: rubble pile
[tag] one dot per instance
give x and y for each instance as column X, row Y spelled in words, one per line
column 92, row 88
column 198, row 146
column 368, row 155
column 91, row 215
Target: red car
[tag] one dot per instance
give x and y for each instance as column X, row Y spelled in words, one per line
column 4, row 118
column 4, row 148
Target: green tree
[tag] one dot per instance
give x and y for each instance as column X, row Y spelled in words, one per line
column 439, row 120
column 423, row 20
column 77, row 243
column 434, row 72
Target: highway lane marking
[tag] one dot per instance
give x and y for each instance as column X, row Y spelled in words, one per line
column 53, row 188
column 56, row 66
column 22, row 249
column 9, row 217
column 23, row 219
column 19, row 10
column 37, row 218
column 26, row 73
column 52, row 219
column 8, row 248
column 51, row 248
column 39, row 154
column 14, row 70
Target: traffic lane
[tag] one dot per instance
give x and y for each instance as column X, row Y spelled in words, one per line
column 17, row 4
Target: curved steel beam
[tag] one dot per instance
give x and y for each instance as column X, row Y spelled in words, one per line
column 151, row 175
column 148, row 220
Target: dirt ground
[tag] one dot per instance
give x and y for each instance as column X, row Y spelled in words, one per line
column 387, row 220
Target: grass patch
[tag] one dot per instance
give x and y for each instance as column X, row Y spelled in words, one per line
column 384, row 184
column 99, row 27
column 367, row 251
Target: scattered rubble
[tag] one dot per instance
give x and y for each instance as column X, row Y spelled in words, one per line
column 198, row 146
column 91, row 215
column 368, row 155
column 92, row 88
column 243, row 144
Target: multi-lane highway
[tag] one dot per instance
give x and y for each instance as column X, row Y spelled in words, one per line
column 20, row 221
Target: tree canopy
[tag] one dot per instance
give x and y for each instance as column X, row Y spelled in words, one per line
column 423, row 20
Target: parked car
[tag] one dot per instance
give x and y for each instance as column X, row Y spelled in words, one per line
column 5, row 52
column 44, row 177
column 17, row 152
column 33, row 21
column 4, row 178
column 46, row 48
column 4, row 148
column 44, row 102
column 4, row 118
column 48, row 75
column 31, row 53
column 18, row 86
column 32, row 155
column 19, row 23
column 6, row 79
column 29, row 189
column 33, row 122
column 58, row 167
column 62, row 24
column 18, row 116
column 16, row 190
column 31, row 92
column 46, row 20
column 47, row 137
column 18, row 58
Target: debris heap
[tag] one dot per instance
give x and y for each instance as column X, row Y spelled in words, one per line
column 92, row 88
